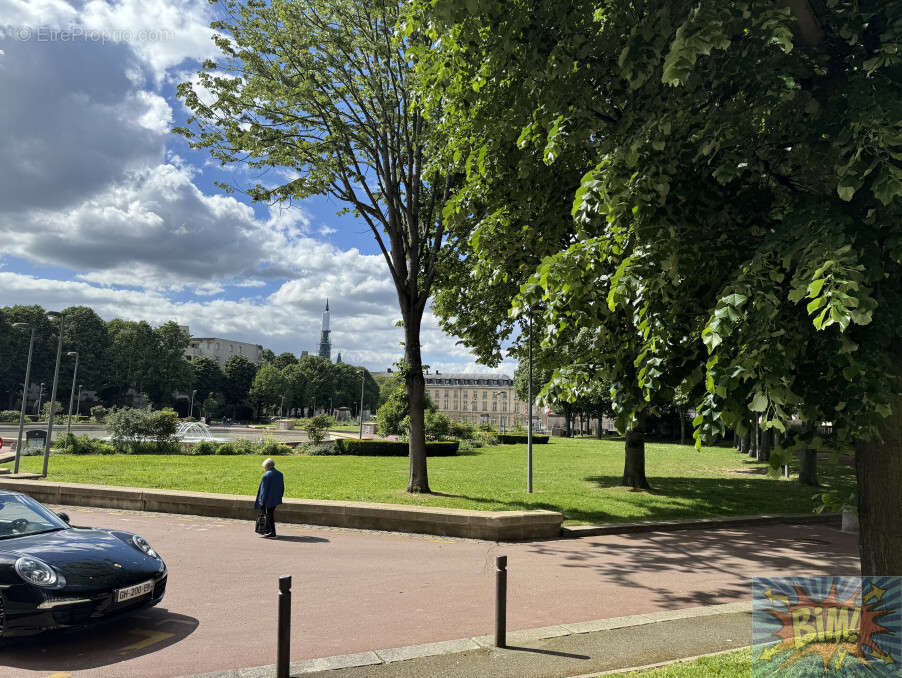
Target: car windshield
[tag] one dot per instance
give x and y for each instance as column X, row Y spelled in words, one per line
column 21, row 516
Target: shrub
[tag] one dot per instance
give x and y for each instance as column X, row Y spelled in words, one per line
column 486, row 438
column 462, row 430
column 272, row 448
column 437, row 425
column 7, row 416
column 98, row 413
column 322, row 450
column 204, row 447
column 132, row 427
column 316, row 428
column 390, row 448
column 73, row 444
column 225, row 449
column 522, row 439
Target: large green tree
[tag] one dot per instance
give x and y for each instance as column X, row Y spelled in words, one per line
column 738, row 228
column 323, row 89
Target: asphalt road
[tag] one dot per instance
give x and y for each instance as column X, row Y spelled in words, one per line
column 356, row 590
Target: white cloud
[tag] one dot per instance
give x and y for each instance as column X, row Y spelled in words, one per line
column 327, row 231
column 363, row 336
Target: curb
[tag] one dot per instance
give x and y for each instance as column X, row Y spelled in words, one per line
column 448, row 522
column 577, row 531
column 411, row 652
column 651, row 667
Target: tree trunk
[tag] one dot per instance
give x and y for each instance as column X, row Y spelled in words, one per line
column 745, row 442
column 808, row 468
column 753, row 440
column 878, row 466
column 765, row 445
column 682, row 426
column 568, row 419
column 634, row 461
column 418, row 481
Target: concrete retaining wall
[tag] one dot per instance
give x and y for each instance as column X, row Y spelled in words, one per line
column 491, row 525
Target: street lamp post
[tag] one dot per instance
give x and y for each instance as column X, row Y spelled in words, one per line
column 72, row 393
column 362, row 379
column 529, row 408
column 191, row 407
column 56, row 376
column 37, row 410
column 24, row 326
column 78, row 404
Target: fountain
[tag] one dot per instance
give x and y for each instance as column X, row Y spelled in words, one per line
column 195, row 432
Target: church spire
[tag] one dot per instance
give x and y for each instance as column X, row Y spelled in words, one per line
column 325, row 344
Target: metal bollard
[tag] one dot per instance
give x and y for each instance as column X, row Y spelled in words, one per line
column 501, row 601
column 284, row 646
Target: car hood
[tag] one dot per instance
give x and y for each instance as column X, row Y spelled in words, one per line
column 86, row 557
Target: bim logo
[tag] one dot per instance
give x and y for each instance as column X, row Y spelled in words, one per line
column 827, row 626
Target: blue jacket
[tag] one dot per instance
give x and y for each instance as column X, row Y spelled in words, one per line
column 272, row 485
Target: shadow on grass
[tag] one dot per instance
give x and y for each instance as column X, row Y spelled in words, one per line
column 749, row 492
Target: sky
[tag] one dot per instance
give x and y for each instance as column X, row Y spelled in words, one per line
column 102, row 205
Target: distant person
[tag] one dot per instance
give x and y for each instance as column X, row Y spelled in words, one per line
column 269, row 495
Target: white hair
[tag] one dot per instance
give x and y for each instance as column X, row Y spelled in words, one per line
column 269, row 463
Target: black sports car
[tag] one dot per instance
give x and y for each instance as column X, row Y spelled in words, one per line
column 53, row 575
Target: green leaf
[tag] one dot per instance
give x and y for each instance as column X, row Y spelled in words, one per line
column 759, row 402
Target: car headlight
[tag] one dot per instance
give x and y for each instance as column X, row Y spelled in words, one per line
column 142, row 545
column 38, row 572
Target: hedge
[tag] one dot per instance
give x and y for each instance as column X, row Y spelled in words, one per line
column 391, row 448
column 521, row 439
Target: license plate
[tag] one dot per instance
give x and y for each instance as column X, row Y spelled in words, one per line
column 135, row 591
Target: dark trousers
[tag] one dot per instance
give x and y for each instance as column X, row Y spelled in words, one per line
column 271, row 520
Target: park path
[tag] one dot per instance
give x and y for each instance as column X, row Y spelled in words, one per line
column 357, row 590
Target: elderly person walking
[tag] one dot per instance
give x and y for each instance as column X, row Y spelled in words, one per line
column 269, row 495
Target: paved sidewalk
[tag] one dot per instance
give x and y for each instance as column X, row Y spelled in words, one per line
column 565, row 650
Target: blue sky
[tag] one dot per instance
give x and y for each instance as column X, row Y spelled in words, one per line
column 101, row 205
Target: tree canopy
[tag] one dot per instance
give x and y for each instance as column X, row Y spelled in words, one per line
column 736, row 233
column 324, row 90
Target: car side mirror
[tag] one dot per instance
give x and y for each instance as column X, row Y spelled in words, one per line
column 64, row 516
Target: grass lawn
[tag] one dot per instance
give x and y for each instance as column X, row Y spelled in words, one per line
column 578, row 477
column 731, row 665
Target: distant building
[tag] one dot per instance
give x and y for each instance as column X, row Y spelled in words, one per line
column 481, row 399
column 325, row 344
column 220, row 349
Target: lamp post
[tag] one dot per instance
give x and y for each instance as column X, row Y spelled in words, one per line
column 56, row 376
column 37, row 409
column 529, row 410
column 78, row 404
column 191, row 407
column 362, row 380
column 72, row 393
column 24, row 326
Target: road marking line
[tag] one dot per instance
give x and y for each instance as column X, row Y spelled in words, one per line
column 150, row 638
column 59, row 674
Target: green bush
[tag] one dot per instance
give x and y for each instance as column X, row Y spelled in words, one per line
column 131, row 429
column 7, row 416
column 322, row 450
column 316, row 428
column 226, row 449
column 391, row 448
column 486, row 438
column 73, row 444
column 462, row 430
column 204, row 447
column 98, row 413
column 437, row 425
column 522, row 439
column 273, row 448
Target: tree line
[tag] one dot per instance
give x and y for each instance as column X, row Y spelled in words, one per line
column 122, row 363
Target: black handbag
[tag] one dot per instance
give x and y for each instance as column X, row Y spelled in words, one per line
column 262, row 526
